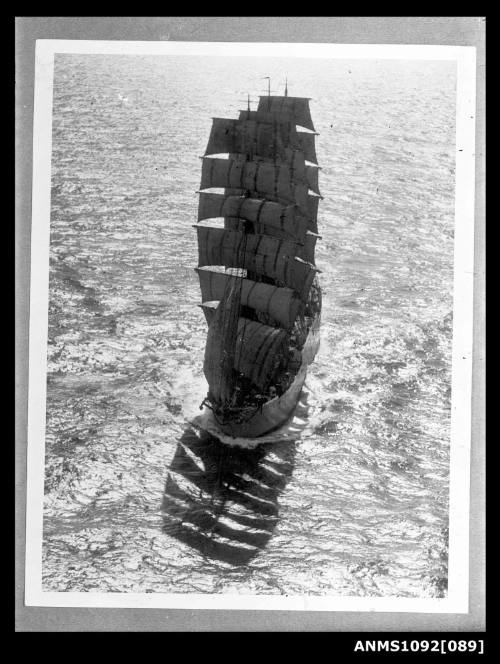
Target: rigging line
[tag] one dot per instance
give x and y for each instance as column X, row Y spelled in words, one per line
column 256, row 175
column 277, row 172
column 242, row 176
column 272, row 345
column 229, row 169
column 259, row 210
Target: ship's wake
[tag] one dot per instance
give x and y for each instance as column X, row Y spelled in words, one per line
column 223, row 501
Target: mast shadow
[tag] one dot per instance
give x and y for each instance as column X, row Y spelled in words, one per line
column 223, row 501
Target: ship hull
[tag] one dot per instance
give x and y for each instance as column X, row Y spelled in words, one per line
column 276, row 412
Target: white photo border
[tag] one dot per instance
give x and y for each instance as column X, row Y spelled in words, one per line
column 457, row 599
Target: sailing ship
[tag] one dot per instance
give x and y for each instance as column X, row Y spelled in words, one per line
column 259, row 284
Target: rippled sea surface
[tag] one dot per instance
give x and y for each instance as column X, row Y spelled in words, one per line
column 135, row 500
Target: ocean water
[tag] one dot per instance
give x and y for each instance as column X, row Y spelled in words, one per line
column 135, row 500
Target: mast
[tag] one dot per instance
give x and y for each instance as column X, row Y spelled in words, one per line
column 268, row 90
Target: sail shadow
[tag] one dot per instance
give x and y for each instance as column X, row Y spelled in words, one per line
column 223, row 501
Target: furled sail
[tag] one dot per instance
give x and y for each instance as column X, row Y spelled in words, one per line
column 263, row 254
column 285, row 218
column 281, row 304
column 297, row 107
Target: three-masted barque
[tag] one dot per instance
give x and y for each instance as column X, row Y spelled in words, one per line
column 259, row 286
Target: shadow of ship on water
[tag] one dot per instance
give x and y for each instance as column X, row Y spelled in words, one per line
column 223, row 501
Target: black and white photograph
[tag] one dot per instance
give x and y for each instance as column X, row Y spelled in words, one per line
column 251, row 326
